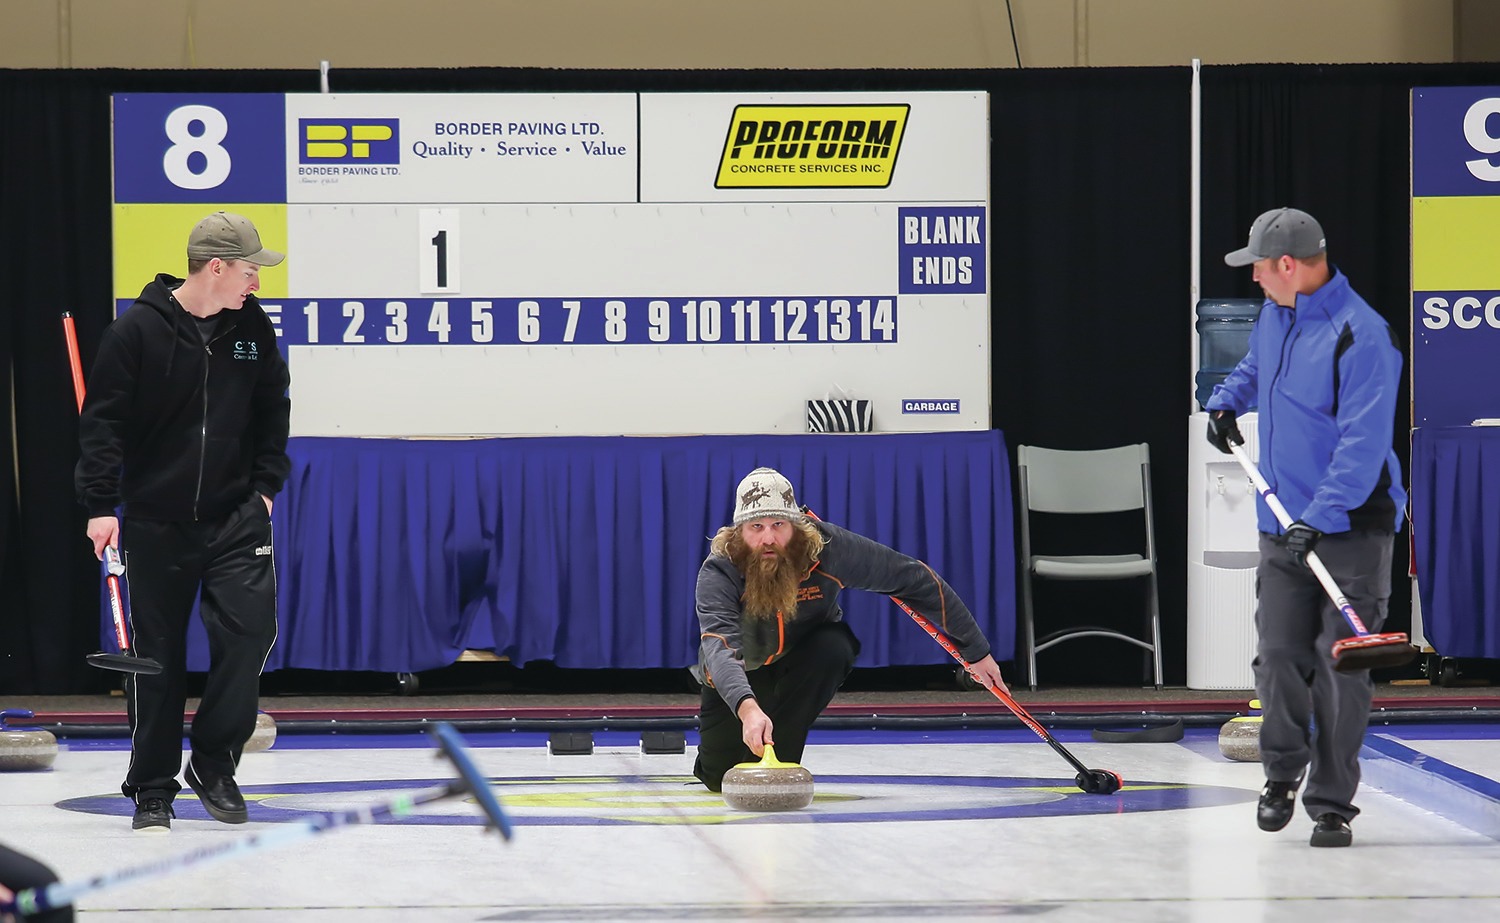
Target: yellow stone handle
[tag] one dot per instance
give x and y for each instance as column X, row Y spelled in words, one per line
column 768, row 760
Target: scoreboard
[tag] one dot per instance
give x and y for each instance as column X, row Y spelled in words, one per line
column 1455, row 234
column 588, row 264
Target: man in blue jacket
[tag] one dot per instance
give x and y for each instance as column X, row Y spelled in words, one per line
column 1324, row 373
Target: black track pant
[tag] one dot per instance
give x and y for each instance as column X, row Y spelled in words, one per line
column 1314, row 717
column 166, row 565
column 792, row 691
column 18, row 872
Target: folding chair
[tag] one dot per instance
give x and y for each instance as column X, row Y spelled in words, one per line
column 1079, row 483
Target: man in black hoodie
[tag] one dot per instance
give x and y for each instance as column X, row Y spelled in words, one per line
column 185, row 428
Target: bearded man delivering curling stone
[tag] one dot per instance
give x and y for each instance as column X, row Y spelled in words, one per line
column 774, row 645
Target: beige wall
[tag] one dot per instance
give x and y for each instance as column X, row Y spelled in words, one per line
column 1476, row 30
column 719, row 33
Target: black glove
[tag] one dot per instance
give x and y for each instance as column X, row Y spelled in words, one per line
column 1222, row 430
column 1300, row 539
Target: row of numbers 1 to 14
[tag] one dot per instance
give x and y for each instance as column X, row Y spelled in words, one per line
column 584, row 321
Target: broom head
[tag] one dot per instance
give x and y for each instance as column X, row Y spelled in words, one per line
column 1368, row 652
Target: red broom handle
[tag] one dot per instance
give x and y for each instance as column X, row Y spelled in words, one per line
column 70, row 333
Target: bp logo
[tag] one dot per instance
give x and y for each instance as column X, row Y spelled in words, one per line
column 349, row 141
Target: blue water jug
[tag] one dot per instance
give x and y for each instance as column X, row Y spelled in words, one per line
column 1224, row 326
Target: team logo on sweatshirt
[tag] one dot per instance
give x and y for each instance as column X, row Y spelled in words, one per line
column 246, row 349
column 809, row 593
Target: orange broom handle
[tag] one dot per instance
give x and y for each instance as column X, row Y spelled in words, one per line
column 70, row 333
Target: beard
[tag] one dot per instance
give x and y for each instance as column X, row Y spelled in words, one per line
column 771, row 580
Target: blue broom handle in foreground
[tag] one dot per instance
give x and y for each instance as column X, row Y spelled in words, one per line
column 59, row 894
column 450, row 743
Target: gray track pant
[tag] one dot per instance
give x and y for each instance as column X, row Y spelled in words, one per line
column 1315, row 717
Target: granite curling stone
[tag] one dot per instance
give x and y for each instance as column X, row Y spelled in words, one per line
column 264, row 734
column 1239, row 738
column 24, row 749
column 769, row 785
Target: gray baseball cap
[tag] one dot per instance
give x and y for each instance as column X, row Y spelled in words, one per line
column 1280, row 232
column 229, row 237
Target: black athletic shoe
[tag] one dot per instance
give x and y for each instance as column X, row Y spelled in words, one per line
column 1278, row 801
column 1332, row 830
column 713, row 785
column 220, row 796
column 153, row 815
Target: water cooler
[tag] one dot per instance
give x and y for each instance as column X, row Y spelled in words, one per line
column 1224, row 326
column 1222, row 535
column 1222, row 555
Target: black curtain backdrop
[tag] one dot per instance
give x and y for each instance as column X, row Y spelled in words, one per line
column 1091, row 324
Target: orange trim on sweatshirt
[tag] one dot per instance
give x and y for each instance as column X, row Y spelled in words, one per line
column 722, row 640
column 942, row 597
column 780, row 638
column 818, row 565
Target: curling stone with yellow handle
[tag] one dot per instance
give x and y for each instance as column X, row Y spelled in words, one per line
column 769, row 785
column 1239, row 738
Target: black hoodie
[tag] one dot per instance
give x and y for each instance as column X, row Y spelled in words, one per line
column 176, row 429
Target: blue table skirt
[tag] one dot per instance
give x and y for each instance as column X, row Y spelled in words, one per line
column 1455, row 502
column 397, row 555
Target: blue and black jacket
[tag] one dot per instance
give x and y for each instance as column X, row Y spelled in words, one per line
column 1325, row 379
